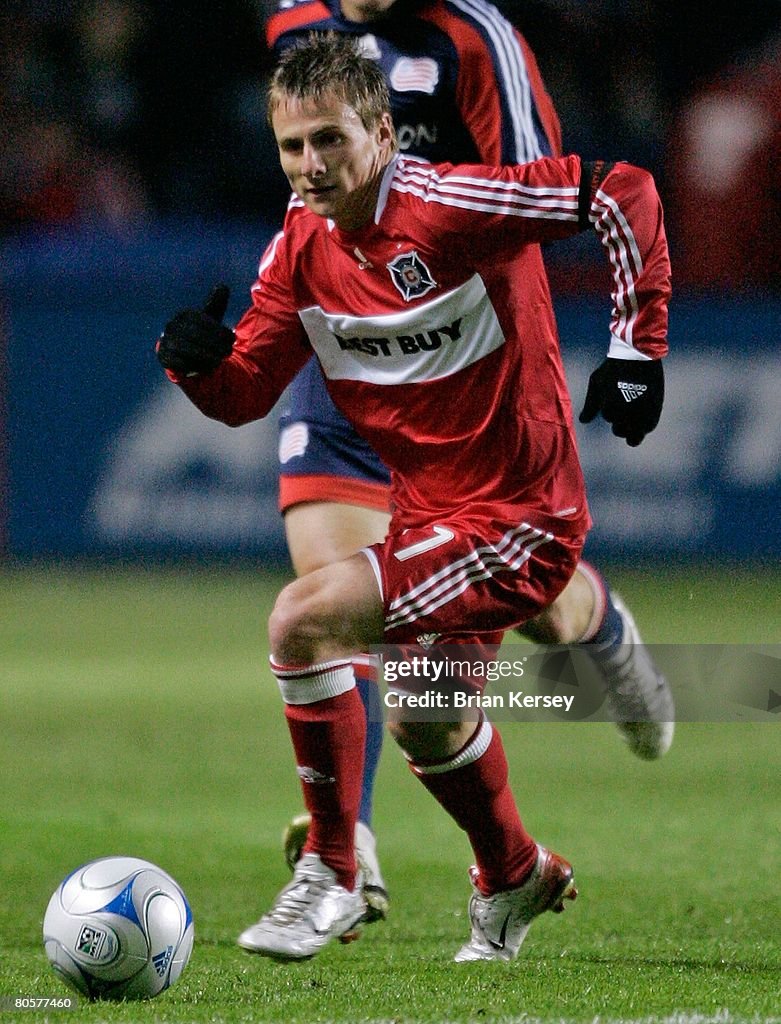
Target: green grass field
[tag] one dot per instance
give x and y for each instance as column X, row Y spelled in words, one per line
column 138, row 717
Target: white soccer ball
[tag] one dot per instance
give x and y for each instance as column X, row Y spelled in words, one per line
column 118, row 928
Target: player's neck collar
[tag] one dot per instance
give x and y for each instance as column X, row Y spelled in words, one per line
column 382, row 199
column 385, row 185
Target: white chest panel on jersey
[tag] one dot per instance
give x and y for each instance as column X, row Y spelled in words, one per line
column 426, row 342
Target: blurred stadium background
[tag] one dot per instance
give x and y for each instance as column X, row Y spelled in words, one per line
column 138, row 171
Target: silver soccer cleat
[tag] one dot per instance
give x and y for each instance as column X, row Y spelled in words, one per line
column 500, row 922
column 311, row 910
column 638, row 695
column 374, row 892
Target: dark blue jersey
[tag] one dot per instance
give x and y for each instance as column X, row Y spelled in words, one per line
column 465, row 87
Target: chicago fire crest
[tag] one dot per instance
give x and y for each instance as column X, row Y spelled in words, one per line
column 411, row 275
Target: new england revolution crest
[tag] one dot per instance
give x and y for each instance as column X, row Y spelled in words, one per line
column 411, row 275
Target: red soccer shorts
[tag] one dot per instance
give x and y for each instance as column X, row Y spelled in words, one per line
column 451, row 582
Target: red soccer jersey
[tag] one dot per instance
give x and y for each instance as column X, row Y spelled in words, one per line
column 435, row 329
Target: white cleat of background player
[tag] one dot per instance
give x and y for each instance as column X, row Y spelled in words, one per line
column 638, row 695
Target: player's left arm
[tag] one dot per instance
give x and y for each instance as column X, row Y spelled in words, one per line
column 620, row 202
column 486, row 210
column 553, row 199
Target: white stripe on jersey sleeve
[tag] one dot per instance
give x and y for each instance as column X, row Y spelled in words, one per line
column 271, row 249
column 617, row 236
column 268, row 257
column 487, row 195
column 511, row 69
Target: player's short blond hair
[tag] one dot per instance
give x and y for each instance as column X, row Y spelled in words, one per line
column 329, row 64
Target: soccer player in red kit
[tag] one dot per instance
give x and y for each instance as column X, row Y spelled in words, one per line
column 464, row 87
column 419, row 288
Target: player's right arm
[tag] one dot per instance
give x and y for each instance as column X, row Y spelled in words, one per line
column 238, row 376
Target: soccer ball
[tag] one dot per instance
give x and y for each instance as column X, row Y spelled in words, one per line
column 118, row 928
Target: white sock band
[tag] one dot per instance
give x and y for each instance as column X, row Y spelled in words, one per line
column 473, row 750
column 307, row 684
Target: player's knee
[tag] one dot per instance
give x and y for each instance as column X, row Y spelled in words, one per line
column 549, row 627
column 424, row 741
column 292, row 627
column 412, row 737
column 400, row 732
column 565, row 620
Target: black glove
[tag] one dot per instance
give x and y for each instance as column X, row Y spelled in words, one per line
column 629, row 393
column 196, row 341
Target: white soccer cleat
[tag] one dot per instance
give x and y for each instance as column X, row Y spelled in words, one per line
column 310, row 911
column 500, row 922
column 638, row 695
column 374, row 892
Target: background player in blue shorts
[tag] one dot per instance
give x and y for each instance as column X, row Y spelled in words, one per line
column 465, row 87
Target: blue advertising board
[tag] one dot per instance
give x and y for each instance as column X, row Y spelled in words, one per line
column 106, row 458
